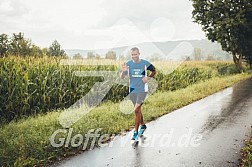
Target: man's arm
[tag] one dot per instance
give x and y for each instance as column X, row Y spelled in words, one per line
column 124, row 71
column 152, row 74
column 123, row 74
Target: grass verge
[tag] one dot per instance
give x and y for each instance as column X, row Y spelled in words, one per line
column 26, row 142
column 247, row 154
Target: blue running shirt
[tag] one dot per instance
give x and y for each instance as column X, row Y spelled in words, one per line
column 136, row 72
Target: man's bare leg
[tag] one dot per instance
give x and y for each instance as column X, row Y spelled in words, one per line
column 141, row 120
column 138, row 116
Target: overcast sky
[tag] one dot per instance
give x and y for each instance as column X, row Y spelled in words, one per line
column 94, row 24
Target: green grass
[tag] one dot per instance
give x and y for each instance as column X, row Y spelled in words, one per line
column 247, row 154
column 26, row 142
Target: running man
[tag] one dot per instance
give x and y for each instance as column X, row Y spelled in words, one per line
column 136, row 69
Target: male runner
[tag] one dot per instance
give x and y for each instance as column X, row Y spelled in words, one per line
column 136, row 69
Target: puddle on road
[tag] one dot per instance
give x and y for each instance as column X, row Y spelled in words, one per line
column 231, row 107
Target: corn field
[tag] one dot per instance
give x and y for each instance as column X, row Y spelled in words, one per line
column 38, row 85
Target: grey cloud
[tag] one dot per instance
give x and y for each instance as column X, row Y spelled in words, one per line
column 17, row 9
column 141, row 13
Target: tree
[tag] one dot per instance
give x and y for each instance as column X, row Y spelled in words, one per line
column 4, row 44
column 45, row 51
column 19, row 45
column 97, row 56
column 37, row 51
column 197, row 54
column 90, row 55
column 110, row 55
column 155, row 57
column 229, row 22
column 55, row 50
column 210, row 57
column 77, row 56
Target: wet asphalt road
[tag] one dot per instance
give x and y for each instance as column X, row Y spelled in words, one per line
column 207, row 133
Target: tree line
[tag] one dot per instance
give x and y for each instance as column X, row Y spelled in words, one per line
column 18, row 45
column 92, row 55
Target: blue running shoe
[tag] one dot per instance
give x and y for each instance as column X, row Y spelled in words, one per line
column 142, row 129
column 134, row 137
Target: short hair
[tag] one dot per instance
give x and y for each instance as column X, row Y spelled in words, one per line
column 135, row 48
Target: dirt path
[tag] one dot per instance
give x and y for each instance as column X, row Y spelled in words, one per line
column 209, row 132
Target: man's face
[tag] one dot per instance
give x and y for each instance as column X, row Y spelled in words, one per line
column 135, row 55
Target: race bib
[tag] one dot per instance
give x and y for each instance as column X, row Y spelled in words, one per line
column 137, row 73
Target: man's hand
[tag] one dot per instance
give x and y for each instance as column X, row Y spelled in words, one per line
column 145, row 79
column 124, row 67
column 124, row 71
